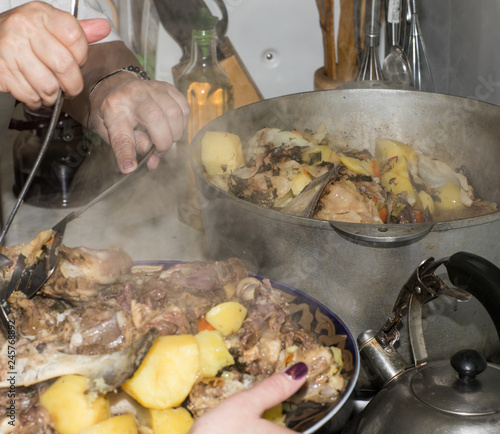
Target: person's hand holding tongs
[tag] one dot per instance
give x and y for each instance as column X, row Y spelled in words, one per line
column 41, row 48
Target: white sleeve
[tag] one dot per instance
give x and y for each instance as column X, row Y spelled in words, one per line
column 86, row 9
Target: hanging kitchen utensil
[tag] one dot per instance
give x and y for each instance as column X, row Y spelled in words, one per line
column 458, row 395
column 174, row 16
column 417, row 54
column 327, row 22
column 340, row 63
column 50, row 132
column 370, row 67
column 358, row 15
column 396, row 68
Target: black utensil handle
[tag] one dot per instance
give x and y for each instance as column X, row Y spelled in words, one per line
column 479, row 277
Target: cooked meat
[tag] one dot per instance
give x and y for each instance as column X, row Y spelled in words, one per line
column 95, row 310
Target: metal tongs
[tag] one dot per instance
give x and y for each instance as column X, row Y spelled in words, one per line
column 48, row 137
column 29, row 279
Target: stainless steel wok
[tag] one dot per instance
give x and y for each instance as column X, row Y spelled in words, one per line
column 357, row 269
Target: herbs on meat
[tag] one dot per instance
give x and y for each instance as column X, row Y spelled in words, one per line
column 395, row 185
column 97, row 306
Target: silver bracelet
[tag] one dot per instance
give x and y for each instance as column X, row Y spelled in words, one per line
column 135, row 70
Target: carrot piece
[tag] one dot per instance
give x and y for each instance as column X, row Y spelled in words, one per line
column 203, row 324
column 382, row 212
column 418, row 215
column 376, row 172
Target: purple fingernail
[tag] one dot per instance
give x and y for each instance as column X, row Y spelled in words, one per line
column 128, row 164
column 297, row 371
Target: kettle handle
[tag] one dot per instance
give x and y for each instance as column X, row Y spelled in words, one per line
column 480, row 278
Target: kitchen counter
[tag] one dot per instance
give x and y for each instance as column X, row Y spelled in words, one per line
column 140, row 217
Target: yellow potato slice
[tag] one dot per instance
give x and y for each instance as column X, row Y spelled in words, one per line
column 70, row 407
column 214, row 354
column 171, row 421
column 275, row 415
column 360, row 167
column 395, row 176
column 319, row 154
column 450, row 197
column 123, row 424
column 227, row 317
column 300, row 181
column 427, row 201
column 167, row 373
column 385, row 149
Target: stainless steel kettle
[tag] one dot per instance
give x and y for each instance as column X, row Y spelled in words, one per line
column 461, row 395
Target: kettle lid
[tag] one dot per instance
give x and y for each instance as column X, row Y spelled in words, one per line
column 466, row 385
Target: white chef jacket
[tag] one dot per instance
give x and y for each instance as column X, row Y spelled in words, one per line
column 86, row 9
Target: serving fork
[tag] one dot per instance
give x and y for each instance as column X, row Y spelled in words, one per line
column 29, row 278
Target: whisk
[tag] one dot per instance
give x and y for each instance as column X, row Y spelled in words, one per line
column 417, row 54
column 370, row 67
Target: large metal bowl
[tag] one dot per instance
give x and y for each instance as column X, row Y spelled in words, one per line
column 358, row 269
column 314, row 317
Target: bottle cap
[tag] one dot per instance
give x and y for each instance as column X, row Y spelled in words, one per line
column 204, row 20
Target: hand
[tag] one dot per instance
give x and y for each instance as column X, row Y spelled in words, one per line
column 42, row 49
column 133, row 114
column 242, row 412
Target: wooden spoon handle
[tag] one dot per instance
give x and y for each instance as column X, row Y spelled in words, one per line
column 347, row 61
column 326, row 19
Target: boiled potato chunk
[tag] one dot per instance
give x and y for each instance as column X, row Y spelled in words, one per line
column 70, row 407
column 214, row 354
column 395, row 176
column 227, row 317
column 427, row 201
column 300, row 181
column 221, row 152
column 171, row 421
column 230, row 290
column 319, row 154
column 385, row 149
column 337, row 356
column 167, row 373
column 275, row 414
column 123, row 424
column 360, row 167
column 450, row 197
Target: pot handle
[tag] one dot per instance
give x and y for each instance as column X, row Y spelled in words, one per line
column 480, row 278
column 382, row 235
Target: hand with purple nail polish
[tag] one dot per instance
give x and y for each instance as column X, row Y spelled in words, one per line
column 242, row 412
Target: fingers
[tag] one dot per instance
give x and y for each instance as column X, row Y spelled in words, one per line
column 165, row 116
column 95, row 29
column 61, row 45
column 137, row 114
column 242, row 412
column 41, row 51
column 276, row 388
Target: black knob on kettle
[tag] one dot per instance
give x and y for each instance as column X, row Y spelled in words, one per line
column 468, row 364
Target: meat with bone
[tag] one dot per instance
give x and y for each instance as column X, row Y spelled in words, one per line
column 267, row 342
column 96, row 306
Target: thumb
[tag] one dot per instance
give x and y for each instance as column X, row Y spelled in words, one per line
column 276, row 388
column 95, row 29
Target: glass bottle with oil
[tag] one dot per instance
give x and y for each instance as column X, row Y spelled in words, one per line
column 209, row 92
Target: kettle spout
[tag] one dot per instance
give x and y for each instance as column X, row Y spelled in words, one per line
column 381, row 363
